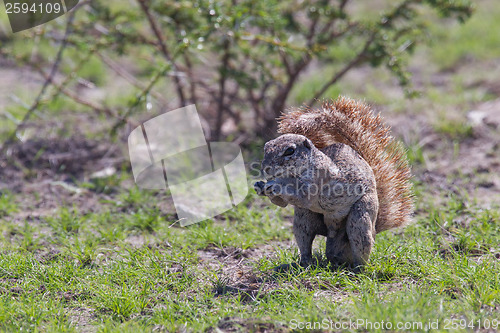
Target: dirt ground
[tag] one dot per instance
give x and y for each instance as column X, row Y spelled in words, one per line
column 48, row 167
column 45, row 166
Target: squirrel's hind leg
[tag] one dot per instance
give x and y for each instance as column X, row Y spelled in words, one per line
column 338, row 249
column 306, row 225
column 360, row 229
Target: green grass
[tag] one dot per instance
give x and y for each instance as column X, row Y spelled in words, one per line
column 127, row 266
column 473, row 40
column 304, row 90
column 453, row 127
column 57, row 270
column 7, row 204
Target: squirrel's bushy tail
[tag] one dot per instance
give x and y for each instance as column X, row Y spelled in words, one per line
column 354, row 123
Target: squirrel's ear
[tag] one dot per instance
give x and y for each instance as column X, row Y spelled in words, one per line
column 307, row 144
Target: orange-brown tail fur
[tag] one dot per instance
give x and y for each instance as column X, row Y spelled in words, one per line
column 353, row 123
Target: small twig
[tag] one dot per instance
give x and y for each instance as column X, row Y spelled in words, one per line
column 331, row 23
column 192, row 83
column 361, row 55
column 222, row 88
column 293, row 71
column 280, row 100
column 125, row 117
column 127, row 76
column 312, row 32
column 53, row 71
column 9, row 116
column 163, row 48
column 76, row 98
column 69, row 77
column 354, row 62
column 284, row 59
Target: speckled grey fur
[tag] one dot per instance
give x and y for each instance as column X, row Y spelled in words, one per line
column 334, row 194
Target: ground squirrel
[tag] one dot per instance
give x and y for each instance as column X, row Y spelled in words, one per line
column 344, row 173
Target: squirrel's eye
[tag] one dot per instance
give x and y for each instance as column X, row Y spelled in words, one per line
column 289, row 151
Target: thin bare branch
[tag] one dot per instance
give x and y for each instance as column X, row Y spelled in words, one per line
column 222, row 88
column 354, row 62
column 279, row 101
column 128, row 77
column 53, row 71
column 76, row 98
column 330, row 24
column 125, row 117
column 164, row 49
column 192, row 82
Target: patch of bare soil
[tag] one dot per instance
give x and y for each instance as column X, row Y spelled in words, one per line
column 58, row 158
column 47, row 172
column 235, row 274
column 237, row 277
column 81, row 318
column 15, row 81
column 241, row 325
column 468, row 166
column 473, row 166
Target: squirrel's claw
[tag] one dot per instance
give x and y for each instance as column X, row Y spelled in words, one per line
column 265, row 189
column 270, row 189
column 259, row 188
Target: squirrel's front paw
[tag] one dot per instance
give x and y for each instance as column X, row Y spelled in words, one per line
column 259, row 187
column 268, row 189
column 271, row 189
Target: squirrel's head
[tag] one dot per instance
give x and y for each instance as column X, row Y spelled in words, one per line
column 287, row 156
